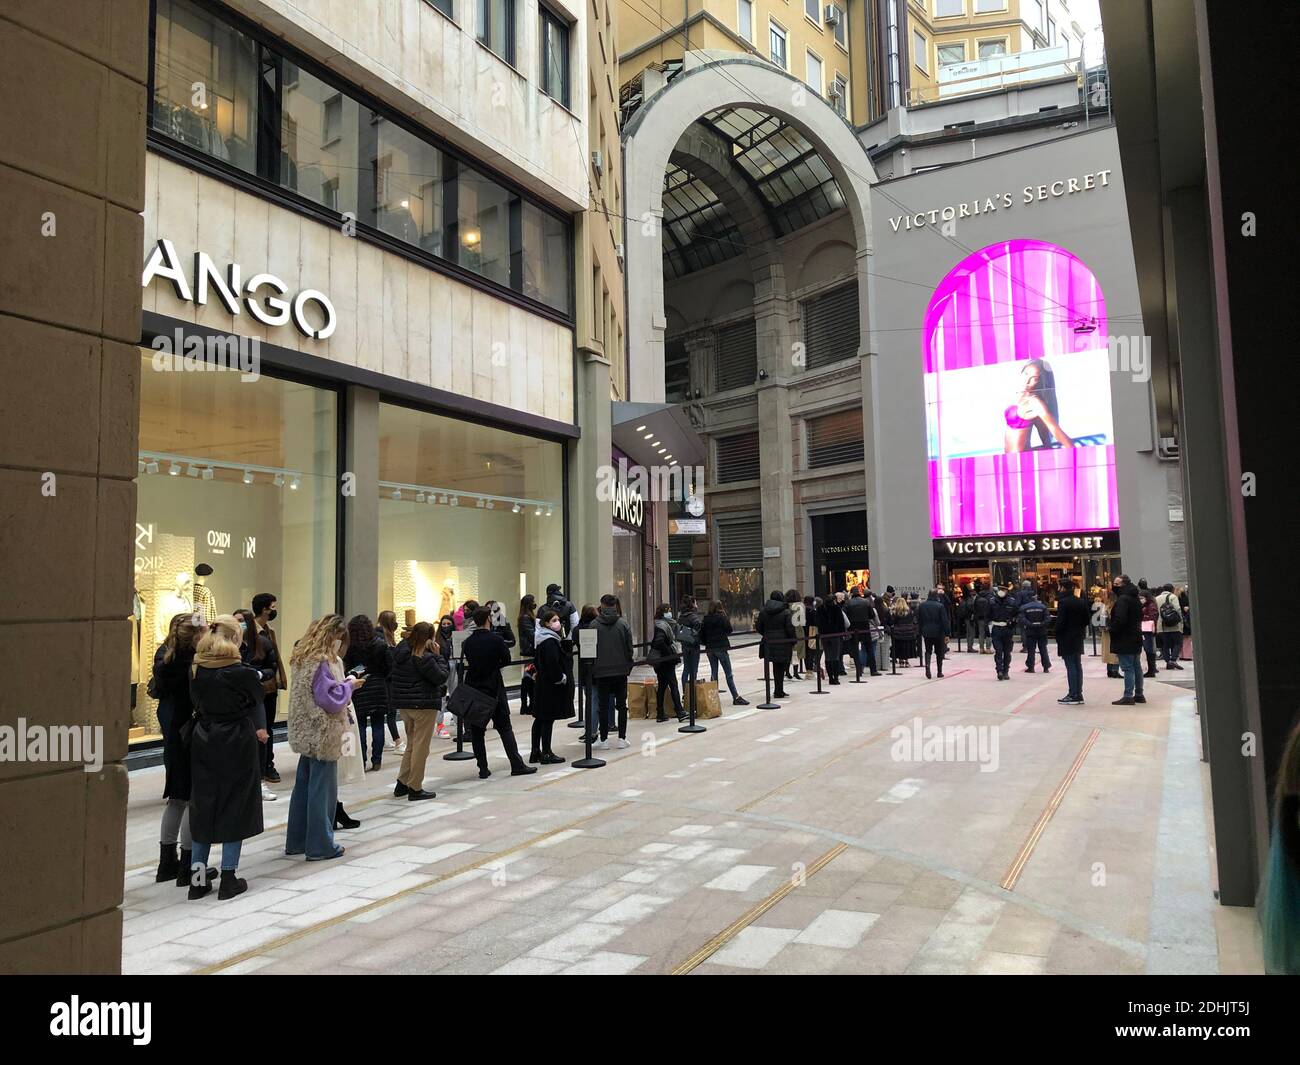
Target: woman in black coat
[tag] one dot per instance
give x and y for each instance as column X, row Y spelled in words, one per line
column 777, row 630
column 663, row 655
column 225, row 764
column 368, row 648
column 171, row 687
column 553, row 687
column 833, row 624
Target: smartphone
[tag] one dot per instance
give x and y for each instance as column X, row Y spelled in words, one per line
column 357, row 671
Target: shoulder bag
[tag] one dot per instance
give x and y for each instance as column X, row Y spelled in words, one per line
column 471, row 705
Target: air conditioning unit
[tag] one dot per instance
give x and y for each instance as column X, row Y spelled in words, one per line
column 598, row 162
column 833, row 15
column 618, row 252
column 833, row 93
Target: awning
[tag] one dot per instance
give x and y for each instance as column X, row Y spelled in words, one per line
column 635, row 425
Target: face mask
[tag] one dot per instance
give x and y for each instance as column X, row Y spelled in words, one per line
column 554, row 625
column 1002, row 593
column 271, row 615
column 669, row 615
column 447, row 628
column 243, row 627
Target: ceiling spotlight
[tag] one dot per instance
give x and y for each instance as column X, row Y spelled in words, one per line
column 248, row 477
column 455, row 501
column 151, row 466
column 406, row 203
column 490, row 504
column 515, row 509
column 209, row 473
column 662, row 450
column 442, row 499
column 480, row 503
column 293, row 481
column 278, row 480
column 419, row 497
column 667, row 456
column 139, row 467
column 191, row 470
column 174, row 469
column 639, row 428
column 550, row 511
column 431, row 499
column 537, row 513
column 397, row 493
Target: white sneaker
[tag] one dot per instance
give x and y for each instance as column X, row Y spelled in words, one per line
column 623, row 745
column 268, row 795
column 600, row 745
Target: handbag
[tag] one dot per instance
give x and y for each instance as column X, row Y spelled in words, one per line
column 471, row 705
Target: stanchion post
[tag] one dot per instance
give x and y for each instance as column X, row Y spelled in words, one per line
column 817, row 661
column 767, row 703
column 459, row 754
column 692, row 726
column 589, row 722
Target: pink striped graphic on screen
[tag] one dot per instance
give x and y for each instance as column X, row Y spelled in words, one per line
column 1012, row 302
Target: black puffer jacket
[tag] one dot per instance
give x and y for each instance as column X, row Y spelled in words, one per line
column 1125, row 624
column 714, row 630
column 776, row 628
column 527, row 635
column 374, row 696
column 418, row 683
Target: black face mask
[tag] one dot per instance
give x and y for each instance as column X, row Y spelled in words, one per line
column 271, row 615
column 447, row 628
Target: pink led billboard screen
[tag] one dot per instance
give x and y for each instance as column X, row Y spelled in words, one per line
column 1017, row 396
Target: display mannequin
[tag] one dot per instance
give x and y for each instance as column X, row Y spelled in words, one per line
column 448, row 601
column 179, row 600
column 205, row 603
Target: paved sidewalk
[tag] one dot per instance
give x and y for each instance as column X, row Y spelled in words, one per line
column 1035, row 838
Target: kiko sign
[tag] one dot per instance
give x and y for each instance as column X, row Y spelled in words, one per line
column 262, row 295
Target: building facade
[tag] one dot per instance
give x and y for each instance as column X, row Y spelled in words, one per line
column 372, row 211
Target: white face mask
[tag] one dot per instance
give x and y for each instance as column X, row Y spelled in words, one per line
column 669, row 615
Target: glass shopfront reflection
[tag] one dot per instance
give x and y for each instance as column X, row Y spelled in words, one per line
column 235, row 477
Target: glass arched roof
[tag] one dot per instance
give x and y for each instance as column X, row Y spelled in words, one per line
column 785, row 171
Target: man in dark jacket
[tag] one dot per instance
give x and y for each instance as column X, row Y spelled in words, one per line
column 485, row 654
column 833, row 624
column 1033, row 619
column 1125, row 628
column 1002, row 615
column 862, row 615
column 932, row 620
column 1072, row 617
column 614, row 659
column 557, row 601
column 777, row 631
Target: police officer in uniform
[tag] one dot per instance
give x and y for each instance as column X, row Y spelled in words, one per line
column 1003, row 612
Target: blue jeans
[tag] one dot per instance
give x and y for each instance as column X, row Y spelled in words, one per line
column 690, row 665
column 1073, row 675
column 721, row 656
column 315, row 796
column 376, row 729
column 1131, row 667
column 229, row 855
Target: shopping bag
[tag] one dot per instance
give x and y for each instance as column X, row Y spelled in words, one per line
column 707, row 703
column 640, row 699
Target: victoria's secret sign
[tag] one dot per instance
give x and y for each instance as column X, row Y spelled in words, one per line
column 1055, row 544
column 1000, row 201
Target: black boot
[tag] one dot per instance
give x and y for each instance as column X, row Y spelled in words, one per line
column 231, row 885
column 342, row 820
column 520, row 769
column 168, row 864
column 400, row 789
column 185, row 871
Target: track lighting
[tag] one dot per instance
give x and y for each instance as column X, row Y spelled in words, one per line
column 139, row 467
column 419, row 497
column 442, row 499
column 397, row 493
column 455, row 501
column 278, row 480
column 490, row 504
column 151, row 466
column 515, row 509
column 174, row 469
column 293, row 481
column 209, row 473
column 192, row 470
column 248, row 477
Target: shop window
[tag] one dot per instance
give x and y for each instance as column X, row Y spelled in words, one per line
column 409, row 185
column 205, row 84
column 496, row 27
column 740, row 571
column 736, row 358
column 831, row 326
column 465, row 512
column 240, row 476
column 555, row 57
column 834, row 439
column 737, row 457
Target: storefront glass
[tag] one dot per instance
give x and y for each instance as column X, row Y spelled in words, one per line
column 465, row 512
column 629, row 565
column 237, row 475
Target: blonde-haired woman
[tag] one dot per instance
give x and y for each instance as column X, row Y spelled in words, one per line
column 225, row 760
column 319, row 730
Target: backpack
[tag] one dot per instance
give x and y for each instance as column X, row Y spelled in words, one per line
column 688, row 636
column 1170, row 612
column 982, row 606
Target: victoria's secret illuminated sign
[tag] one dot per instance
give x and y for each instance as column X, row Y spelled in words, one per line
column 1000, row 201
column 1104, row 540
column 262, row 294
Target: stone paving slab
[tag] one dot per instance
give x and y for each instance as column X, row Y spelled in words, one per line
column 824, row 837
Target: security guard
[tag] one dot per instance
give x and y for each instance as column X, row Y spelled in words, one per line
column 1003, row 612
